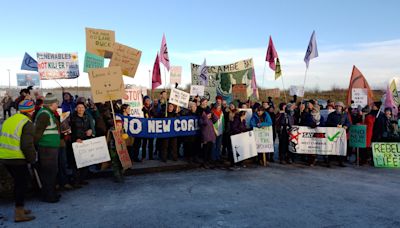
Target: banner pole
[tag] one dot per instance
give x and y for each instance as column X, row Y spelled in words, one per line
column 265, row 64
column 113, row 113
column 284, row 91
column 150, row 85
column 265, row 160
column 77, row 86
column 165, row 88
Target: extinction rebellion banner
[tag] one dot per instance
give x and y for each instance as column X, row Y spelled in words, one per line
column 160, row 127
column 320, row 140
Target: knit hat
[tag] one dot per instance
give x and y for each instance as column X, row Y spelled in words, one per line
column 26, row 106
column 50, row 99
column 339, row 103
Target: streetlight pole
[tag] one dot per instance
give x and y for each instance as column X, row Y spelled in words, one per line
column 9, row 79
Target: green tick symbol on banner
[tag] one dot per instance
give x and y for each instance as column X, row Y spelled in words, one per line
column 331, row 139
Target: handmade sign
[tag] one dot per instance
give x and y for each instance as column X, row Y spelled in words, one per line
column 90, row 152
column 92, row 61
column 221, row 78
column 197, row 90
column 175, row 75
column 360, row 97
column 57, row 65
column 297, row 90
column 180, row 98
column 127, row 58
column 239, row 92
column 386, row 154
column 264, row 139
column 31, row 79
column 106, row 84
column 100, row 42
column 243, row 146
column 320, row 140
column 358, row 136
column 133, row 97
column 122, row 150
column 160, row 127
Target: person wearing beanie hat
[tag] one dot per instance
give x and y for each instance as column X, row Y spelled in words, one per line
column 16, row 150
column 47, row 137
column 339, row 119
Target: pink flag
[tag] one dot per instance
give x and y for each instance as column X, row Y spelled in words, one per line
column 164, row 53
column 156, row 78
column 389, row 102
column 271, row 54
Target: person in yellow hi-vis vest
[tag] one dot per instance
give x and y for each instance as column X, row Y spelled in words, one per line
column 47, row 138
column 16, row 150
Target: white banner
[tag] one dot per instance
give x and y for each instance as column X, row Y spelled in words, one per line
column 180, row 98
column 90, row 152
column 264, row 140
column 360, row 97
column 57, row 65
column 133, row 97
column 243, row 146
column 297, row 90
column 197, row 90
column 320, row 140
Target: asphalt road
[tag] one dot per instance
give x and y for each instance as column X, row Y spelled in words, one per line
column 277, row 196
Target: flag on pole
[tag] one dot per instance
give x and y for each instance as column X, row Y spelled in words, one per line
column 164, row 59
column 358, row 80
column 29, row 63
column 389, row 101
column 254, row 84
column 312, row 51
column 271, row 54
column 393, row 88
column 156, row 78
column 278, row 71
column 203, row 74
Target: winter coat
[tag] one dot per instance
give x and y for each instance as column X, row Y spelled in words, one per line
column 68, row 106
column 79, row 126
column 238, row 126
column 207, row 128
column 7, row 102
column 369, row 122
column 265, row 121
column 335, row 119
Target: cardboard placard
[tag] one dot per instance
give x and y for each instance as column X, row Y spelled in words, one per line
column 106, row 84
column 133, row 97
column 122, row 150
column 90, row 152
column 127, row 58
column 179, row 97
column 57, row 65
column 243, row 146
column 197, row 90
column 100, row 41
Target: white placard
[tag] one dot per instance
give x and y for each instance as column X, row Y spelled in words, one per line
column 180, row 98
column 360, row 97
column 297, row 90
column 197, row 90
column 90, row 152
column 243, row 146
column 264, row 139
column 133, row 97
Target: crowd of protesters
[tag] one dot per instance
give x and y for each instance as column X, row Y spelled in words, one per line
column 37, row 136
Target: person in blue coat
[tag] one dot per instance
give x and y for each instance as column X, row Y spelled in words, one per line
column 260, row 118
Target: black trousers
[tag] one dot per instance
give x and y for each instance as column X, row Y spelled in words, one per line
column 284, row 154
column 5, row 111
column 147, row 142
column 21, row 176
column 169, row 146
column 207, row 149
column 136, row 148
column 48, row 159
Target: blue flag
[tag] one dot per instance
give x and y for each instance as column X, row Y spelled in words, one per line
column 29, row 63
column 312, row 51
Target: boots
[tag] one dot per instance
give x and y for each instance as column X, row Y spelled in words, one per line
column 21, row 215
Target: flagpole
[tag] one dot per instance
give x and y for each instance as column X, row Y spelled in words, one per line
column 304, row 83
column 265, row 64
column 165, row 88
column 151, row 86
column 284, row 91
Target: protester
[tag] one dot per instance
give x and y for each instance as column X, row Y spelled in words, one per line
column 125, row 111
column 112, row 149
column 6, row 102
column 148, row 112
column 384, row 127
column 169, row 145
column 191, row 144
column 208, row 135
column 68, row 104
column 47, row 137
column 16, row 150
column 284, row 121
column 339, row 119
column 260, row 119
column 219, row 130
column 24, row 94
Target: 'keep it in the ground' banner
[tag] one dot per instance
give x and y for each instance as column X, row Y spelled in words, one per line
column 320, row 140
column 386, row 154
column 160, row 127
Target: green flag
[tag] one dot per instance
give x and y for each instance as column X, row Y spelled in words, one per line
column 393, row 88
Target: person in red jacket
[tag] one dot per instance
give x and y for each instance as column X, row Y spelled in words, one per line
column 369, row 120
